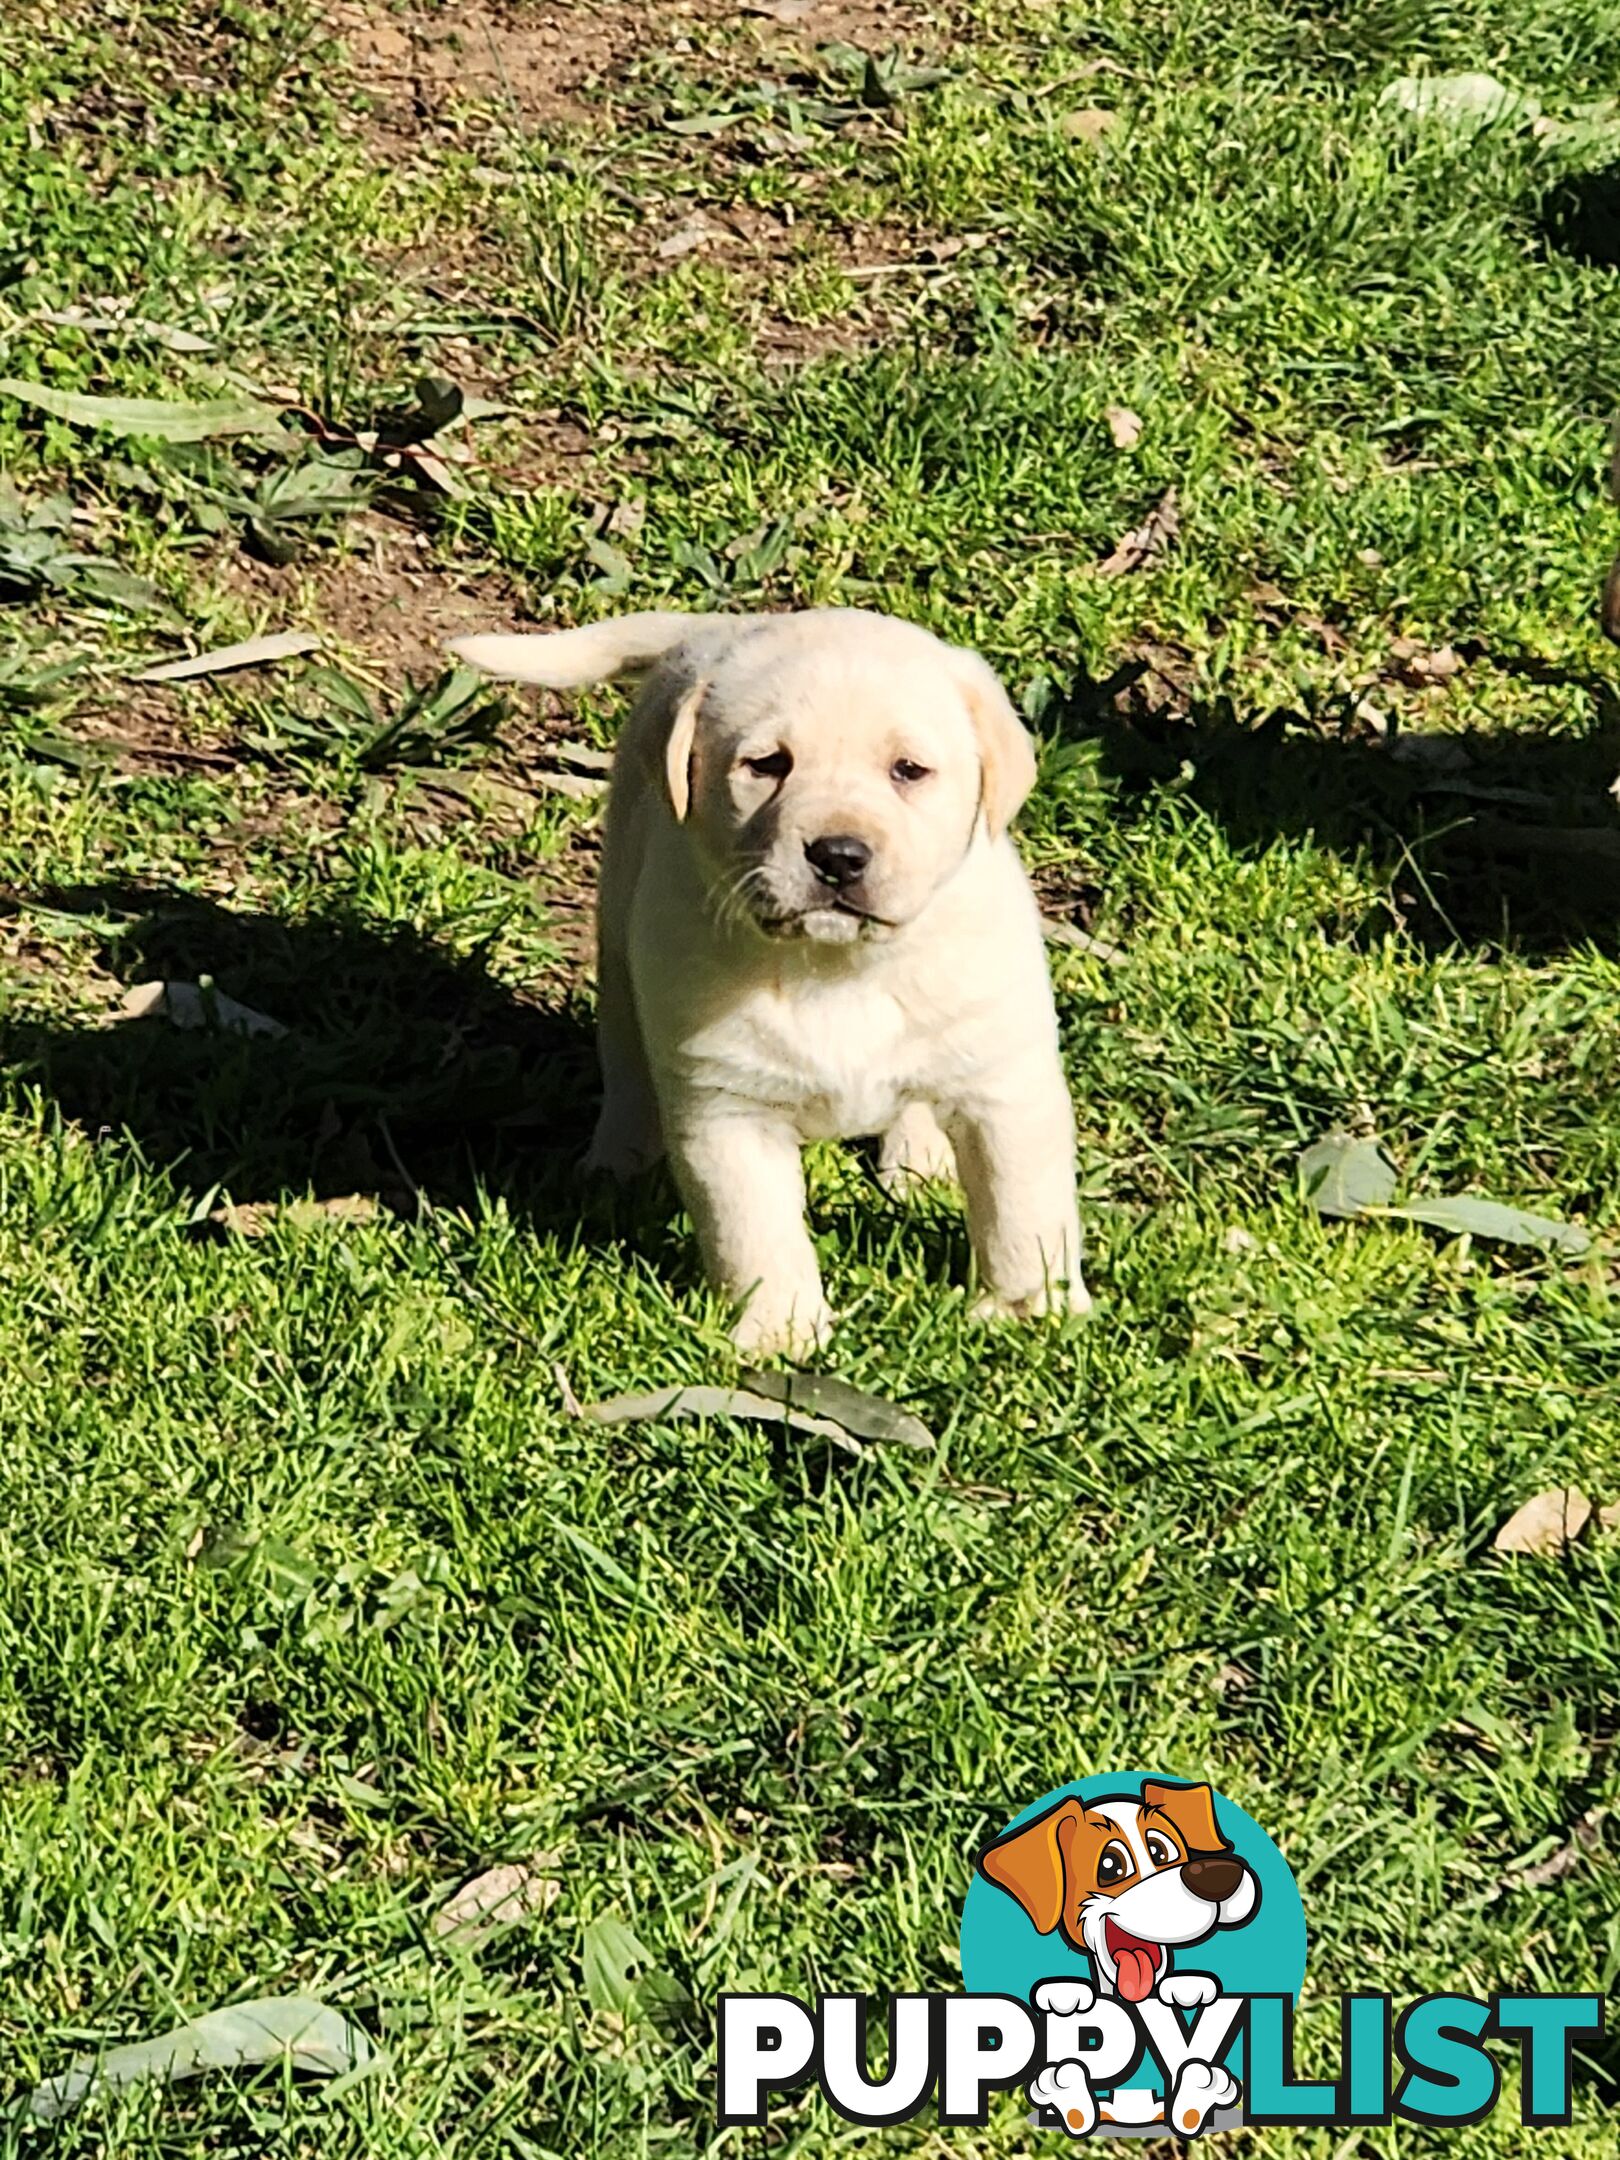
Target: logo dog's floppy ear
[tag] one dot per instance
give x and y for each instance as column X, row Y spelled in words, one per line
column 1191, row 1808
column 678, row 749
column 1006, row 752
column 1028, row 1863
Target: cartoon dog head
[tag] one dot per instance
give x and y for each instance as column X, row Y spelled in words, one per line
column 1126, row 1879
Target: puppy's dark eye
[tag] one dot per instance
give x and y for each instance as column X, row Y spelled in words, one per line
column 1114, row 1865
column 1160, row 1850
column 907, row 772
column 776, row 766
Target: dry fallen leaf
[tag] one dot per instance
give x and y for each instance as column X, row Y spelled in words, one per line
column 1058, row 932
column 779, row 11
column 1609, row 1517
column 1148, row 542
column 582, row 787
column 1418, row 667
column 1124, row 425
column 195, row 1005
column 1547, row 1524
column 112, row 321
column 1583, row 1837
column 1232, row 1680
column 252, row 652
column 696, row 232
column 252, row 1218
column 947, row 250
column 1090, row 124
column 499, row 1898
column 579, row 757
column 430, row 467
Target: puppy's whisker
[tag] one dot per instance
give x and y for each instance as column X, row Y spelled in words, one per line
column 731, row 901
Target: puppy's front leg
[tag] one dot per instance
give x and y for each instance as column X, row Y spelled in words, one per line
column 1015, row 1151
column 740, row 1175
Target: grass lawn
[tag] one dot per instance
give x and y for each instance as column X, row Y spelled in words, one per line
column 315, row 1602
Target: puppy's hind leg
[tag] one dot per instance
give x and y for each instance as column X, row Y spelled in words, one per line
column 915, row 1152
column 628, row 1136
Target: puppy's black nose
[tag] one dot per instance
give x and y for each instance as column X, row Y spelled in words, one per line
column 837, row 858
column 1215, row 1879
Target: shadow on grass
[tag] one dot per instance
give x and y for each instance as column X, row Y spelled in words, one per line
column 406, row 1070
column 1580, row 217
column 1508, row 841
column 391, row 1039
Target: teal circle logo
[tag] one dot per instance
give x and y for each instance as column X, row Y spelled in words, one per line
column 1122, row 1882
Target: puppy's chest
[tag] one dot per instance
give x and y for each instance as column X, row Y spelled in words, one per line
column 841, row 1060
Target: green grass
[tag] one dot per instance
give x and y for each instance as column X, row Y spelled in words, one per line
column 313, row 1601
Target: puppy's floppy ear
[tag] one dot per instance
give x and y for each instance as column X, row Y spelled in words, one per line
column 1028, row 1863
column 1006, row 752
column 678, row 746
column 1191, row 1809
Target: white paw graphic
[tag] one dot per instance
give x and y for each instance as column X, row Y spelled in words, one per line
column 1188, row 1991
column 1065, row 2087
column 1064, row 1998
column 1201, row 2088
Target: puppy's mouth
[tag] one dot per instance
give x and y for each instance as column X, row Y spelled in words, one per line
column 1137, row 1963
column 829, row 922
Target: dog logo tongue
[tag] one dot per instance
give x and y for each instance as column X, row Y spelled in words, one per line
column 1137, row 1964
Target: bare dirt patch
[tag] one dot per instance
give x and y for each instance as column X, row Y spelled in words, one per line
column 543, row 62
column 416, row 63
column 384, row 594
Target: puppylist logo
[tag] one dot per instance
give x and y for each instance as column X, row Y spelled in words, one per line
column 1132, row 1951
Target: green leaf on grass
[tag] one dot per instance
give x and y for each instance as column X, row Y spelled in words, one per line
column 1342, row 1175
column 295, row 2028
column 679, row 1402
column 620, row 1978
column 1467, row 1215
column 613, row 1962
column 1346, row 1176
column 1463, row 103
column 161, row 418
column 869, row 1417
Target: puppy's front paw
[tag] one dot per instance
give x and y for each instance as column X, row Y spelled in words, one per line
column 774, row 1324
column 1051, row 1299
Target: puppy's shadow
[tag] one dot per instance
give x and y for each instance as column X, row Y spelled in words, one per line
column 403, row 1064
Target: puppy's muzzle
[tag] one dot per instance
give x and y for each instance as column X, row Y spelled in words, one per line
column 838, row 859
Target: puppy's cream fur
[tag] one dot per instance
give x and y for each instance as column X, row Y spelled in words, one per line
column 747, row 1005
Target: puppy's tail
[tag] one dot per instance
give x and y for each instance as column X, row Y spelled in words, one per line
column 596, row 653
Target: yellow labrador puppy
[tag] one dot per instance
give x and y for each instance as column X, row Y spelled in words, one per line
column 813, row 925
